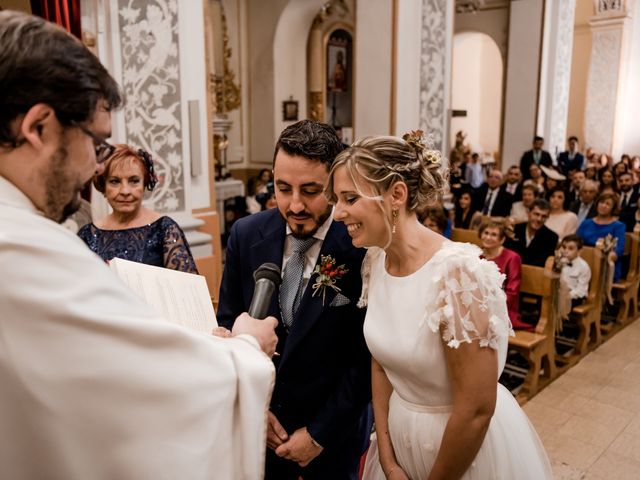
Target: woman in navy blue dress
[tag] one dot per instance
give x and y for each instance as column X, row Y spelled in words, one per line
column 132, row 231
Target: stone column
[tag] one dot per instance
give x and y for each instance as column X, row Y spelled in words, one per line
column 435, row 70
column 555, row 75
column 610, row 27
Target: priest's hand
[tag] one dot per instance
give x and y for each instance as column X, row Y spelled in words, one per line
column 276, row 434
column 300, row 448
column 262, row 330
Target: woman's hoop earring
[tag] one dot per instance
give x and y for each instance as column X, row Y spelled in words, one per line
column 394, row 221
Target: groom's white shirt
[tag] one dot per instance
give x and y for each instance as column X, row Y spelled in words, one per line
column 94, row 385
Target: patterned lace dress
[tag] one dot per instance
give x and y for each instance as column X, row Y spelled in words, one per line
column 161, row 243
column 461, row 293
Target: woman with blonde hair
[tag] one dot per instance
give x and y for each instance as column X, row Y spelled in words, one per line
column 437, row 326
column 132, row 231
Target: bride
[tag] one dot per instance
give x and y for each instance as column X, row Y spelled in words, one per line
column 437, row 327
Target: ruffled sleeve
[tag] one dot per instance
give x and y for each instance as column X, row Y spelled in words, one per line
column 470, row 303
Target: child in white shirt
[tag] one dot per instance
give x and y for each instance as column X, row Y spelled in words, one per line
column 576, row 273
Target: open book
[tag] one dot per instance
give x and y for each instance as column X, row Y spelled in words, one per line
column 182, row 298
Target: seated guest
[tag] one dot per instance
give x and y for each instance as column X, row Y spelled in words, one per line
column 607, row 181
column 132, row 231
column 573, row 191
column 464, row 210
column 491, row 200
column 520, row 210
column 603, row 224
column 435, row 219
column 552, row 179
column 560, row 220
column 591, row 172
column 492, row 235
column 532, row 240
column 571, row 159
column 621, row 167
column 537, row 177
column 585, row 207
column 256, row 186
column 513, row 183
column 628, row 200
column 576, row 273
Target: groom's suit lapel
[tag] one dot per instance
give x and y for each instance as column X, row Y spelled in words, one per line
column 312, row 307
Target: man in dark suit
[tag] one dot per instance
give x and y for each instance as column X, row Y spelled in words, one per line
column 532, row 240
column 318, row 425
column 585, row 206
column 573, row 188
column 513, row 183
column 571, row 159
column 628, row 200
column 535, row 155
column 491, row 200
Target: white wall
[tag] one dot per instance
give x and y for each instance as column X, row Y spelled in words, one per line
column 407, row 68
column 290, row 58
column 373, row 45
column 629, row 126
column 521, row 93
column 477, row 88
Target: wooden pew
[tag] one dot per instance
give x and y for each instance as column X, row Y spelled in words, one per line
column 587, row 315
column 626, row 289
column 465, row 236
column 538, row 347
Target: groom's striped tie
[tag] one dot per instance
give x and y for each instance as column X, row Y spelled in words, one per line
column 291, row 288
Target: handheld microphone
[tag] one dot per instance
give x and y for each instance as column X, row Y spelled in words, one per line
column 267, row 277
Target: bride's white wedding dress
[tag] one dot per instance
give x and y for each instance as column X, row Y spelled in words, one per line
column 457, row 290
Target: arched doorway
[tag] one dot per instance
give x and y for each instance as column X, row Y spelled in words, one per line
column 477, row 92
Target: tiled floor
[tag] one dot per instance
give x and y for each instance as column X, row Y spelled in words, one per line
column 589, row 418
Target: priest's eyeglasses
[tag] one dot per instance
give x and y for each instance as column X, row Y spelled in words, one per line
column 103, row 148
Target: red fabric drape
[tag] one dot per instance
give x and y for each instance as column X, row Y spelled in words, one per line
column 65, row 13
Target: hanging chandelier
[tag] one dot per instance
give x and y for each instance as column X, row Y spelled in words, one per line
column 468, row 6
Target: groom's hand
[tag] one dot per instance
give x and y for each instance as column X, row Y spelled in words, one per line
column 300, row 448
column 276, row 434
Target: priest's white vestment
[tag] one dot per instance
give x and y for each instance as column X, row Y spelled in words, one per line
column 93, row 385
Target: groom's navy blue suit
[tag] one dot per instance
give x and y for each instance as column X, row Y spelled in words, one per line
column 323, row 379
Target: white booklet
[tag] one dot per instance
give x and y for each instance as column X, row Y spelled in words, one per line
column 182, row 298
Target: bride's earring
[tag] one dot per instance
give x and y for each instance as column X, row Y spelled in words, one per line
column 394, row 221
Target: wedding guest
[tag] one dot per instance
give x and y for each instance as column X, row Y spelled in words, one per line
column 464, row 210
column 537, row 177
column 561, row 221
column 532, row 240
column 513, row 183
column 437, row 327
column 435, row 219
column 474, row 173
column 573, row 190
column 571, row 159
column 607, row 181
column 520, row 210
column 132, row 231
column 603, row 224
column 629, row 196
column 535, row 156
column 576, row 273
column 492, row 235
column 585, row 207
column 491, row 200
column 621, row 167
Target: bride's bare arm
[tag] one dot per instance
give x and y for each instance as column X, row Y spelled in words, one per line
column 381, row 391
column 473, row 374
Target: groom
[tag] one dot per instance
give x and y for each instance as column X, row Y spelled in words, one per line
column 317, row 423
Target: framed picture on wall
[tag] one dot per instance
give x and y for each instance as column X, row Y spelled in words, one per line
column 290, row 110
column 337, row 63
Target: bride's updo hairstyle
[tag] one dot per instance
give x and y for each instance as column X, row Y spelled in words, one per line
column 382, row 161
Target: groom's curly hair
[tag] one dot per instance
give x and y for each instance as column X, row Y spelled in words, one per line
column 312, row 140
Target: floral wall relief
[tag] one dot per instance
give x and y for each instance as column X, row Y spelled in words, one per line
column 151, row 83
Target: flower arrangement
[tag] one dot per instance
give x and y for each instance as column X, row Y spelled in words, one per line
column 327, row 275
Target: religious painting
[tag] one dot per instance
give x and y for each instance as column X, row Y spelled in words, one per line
column 290, row 110
column 337, row 62
column 338, row 74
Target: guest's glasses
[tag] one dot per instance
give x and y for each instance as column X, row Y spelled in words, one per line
column 103, row 149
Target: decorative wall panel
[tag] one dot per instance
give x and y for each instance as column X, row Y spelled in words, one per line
column 151, row 82
column 602, row 89
column 433, row 74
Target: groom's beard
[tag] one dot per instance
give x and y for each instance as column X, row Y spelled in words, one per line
column 303, row 231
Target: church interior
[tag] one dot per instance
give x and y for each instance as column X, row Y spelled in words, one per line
column 210, row 84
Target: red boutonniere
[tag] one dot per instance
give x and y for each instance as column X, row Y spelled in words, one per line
column 327, row 275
